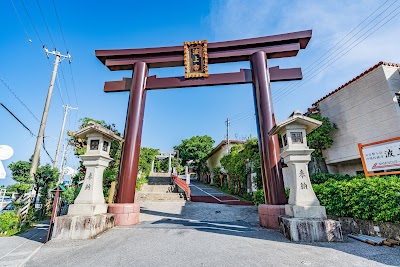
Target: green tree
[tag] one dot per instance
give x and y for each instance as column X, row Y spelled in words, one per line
column 196, row 148
column 320, row 139
column 147, row 155
column 234, row 164
column 46, row 178
column 20, row 172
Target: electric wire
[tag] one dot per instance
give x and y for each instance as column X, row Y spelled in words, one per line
column 59, row 25
column 26, row 127
column 65, row 83
column 66, row 47
column 47, row 152
column 12, row 114
column 340, row 56
column 329, row 58
column 15, row 95
column 313, row 66
column 20, row 20
column 33, row 25
column 45, row 23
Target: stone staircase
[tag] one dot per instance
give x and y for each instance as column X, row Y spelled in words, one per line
column 159, row 189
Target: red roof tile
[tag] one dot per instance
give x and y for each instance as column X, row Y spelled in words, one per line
column 358, row 77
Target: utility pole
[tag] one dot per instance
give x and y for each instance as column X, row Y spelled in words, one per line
column 39, row 141
column 61, row 135
column 63, row 163
column 23, row 211
column 227, row 134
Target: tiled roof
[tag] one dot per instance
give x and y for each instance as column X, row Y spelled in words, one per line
column 358, row 77
column 223, row 142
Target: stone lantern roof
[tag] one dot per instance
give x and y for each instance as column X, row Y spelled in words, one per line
column 94, row 127
column 299, row 118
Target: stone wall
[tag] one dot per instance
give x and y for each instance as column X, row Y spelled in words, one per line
column 367, row 227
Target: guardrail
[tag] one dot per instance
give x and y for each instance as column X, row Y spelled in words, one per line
column 182, row 184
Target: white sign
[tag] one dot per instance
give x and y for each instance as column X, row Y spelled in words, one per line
column 5, row 153
column 381, row 157
column 69, row 171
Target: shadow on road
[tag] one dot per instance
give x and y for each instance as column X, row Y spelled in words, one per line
column 249, row 229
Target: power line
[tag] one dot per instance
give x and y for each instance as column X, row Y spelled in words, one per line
column 65, row 83
column 12, row 114
column 30, row 19
column 328, row 58
column 312, row 64
column 47, row 152
column 13, row 93
column 20, row 20
column 73, row 84
column 66, row 47
column 59, row 25
column 45, row 23
column 330, row 62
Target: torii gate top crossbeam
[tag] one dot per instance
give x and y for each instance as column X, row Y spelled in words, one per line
column 275, row 46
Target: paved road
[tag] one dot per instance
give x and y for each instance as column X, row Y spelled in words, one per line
column 203, row 234
column 16, row 250
column 200, row 192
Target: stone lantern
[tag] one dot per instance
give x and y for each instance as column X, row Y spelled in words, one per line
column 88, row 215
column 305, row 219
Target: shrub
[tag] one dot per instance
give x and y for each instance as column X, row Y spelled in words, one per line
column 9, row 223
column 375, row 198
column 319, row 178
column 258, row 197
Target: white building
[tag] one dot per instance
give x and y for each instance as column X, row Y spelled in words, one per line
column 219, row 151
column 365, row 109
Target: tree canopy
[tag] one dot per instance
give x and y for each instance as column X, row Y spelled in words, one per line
column 321, row 139
column 196, row 148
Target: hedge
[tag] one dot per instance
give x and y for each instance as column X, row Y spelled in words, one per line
column 375, row 198
column 319, row 178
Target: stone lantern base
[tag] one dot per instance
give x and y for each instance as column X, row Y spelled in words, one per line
column 310, row 229
column 81, row 226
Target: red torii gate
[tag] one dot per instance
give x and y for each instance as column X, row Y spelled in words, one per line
column 255, row 50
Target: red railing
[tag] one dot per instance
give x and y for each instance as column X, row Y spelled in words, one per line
column 182, row 184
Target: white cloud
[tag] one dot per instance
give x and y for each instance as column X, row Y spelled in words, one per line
column 330, row 22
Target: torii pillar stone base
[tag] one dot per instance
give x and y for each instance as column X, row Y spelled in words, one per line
column 125, row 213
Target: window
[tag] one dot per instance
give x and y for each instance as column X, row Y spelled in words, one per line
column 105, row 146
column 297, row 137
column 284, row 138
column 94, row 144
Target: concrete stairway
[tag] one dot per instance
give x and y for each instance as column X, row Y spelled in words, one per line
column 158, row 189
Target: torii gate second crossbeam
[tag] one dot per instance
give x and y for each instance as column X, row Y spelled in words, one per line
column 255, row 50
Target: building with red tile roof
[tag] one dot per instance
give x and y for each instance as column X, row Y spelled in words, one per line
column 365, row 109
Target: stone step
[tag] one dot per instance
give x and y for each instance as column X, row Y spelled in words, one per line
column 148, row 188
column 159, row 180
column 160, row 174
column 157, row 197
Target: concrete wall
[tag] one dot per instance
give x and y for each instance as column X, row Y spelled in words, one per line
column 364, row 112
column 214, row 160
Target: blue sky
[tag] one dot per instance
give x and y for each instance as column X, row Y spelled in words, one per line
column 175, row 114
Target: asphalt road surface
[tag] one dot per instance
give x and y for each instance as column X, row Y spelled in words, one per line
column 203, row 234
